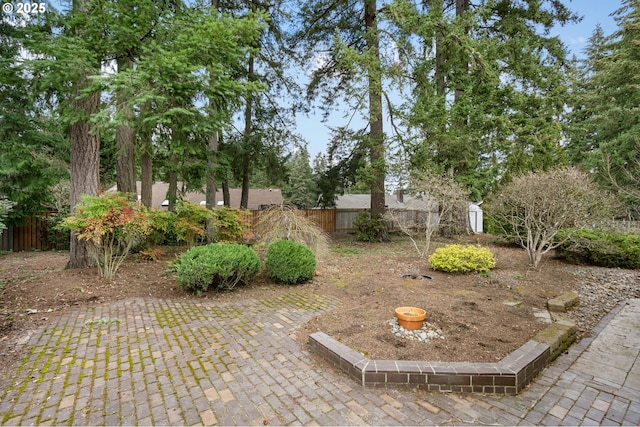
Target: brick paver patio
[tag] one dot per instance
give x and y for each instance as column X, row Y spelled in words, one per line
column 184, row 362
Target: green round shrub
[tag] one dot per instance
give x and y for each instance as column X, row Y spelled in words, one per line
column 290, row 262
column 605, row 248
column 462, row 259
column 220, row 266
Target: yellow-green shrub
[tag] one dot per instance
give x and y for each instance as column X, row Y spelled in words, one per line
column 462, row 259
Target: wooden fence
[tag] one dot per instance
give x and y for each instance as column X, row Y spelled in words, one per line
column 32, row 235
column 330, row 220
column 325, row 218
column 28, row 236
column 344, row 219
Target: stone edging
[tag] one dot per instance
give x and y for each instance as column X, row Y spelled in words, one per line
column 508, row 376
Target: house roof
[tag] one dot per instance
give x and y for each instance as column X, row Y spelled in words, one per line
column 363, row 201
column 258, row 197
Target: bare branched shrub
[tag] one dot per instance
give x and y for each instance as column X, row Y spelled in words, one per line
column 60, row 196
column 535, row 206
column 441, row 205
column 285, row 223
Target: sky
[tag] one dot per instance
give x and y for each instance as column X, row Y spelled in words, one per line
column 574, row 36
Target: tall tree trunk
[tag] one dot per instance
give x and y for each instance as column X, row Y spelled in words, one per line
column 210, row 194
column 462, row 164
column 248, row 134
column 85, row 152
column 441, row 143
column 146, row 178
column 125, row 150
column 172, row 191
column 377, row 148
column 226, row 196
column 85, row 156
column 244, row 197
column 441, row 85
column 146, row 164
column 85, row 171
column 461, row 7
column 210, row 191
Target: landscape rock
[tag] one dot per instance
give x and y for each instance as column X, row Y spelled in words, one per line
column 425, row 334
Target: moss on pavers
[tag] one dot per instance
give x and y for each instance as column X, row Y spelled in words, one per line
column 312, row 302
column 192, row 342
column 559, row 335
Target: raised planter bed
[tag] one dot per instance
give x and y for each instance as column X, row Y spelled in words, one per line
column 508, row 376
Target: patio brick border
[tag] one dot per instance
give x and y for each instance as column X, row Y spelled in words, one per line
column 509, row 376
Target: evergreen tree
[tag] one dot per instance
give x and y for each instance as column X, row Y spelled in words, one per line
column 584, row 103
column 34, row 154
column 353, row 69
column 300, row 189
column 85, row 141
column 195, row 56
column 604, row 129
column 159, row 96
column 65, row 51
column 128, row 25
column 341, row 168
column 327, row 179
column 267, row 116
column 487, row 83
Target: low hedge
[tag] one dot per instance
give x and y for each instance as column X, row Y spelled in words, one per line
column 218, row 265
column 290, row 262
column 604, row 248
column 462, row 259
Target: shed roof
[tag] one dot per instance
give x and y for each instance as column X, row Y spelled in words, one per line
column 258, row 197
column 363, row 201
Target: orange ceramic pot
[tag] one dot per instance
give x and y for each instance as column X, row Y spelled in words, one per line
column 411, row 318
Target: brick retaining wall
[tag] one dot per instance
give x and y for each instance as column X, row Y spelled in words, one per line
column 509, row 376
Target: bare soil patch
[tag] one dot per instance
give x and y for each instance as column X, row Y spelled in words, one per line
column 367, row 278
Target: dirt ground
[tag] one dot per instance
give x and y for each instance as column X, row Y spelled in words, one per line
column 470, row 310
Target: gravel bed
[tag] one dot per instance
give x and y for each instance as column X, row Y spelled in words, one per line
column 600, row 291
column 425, row 334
